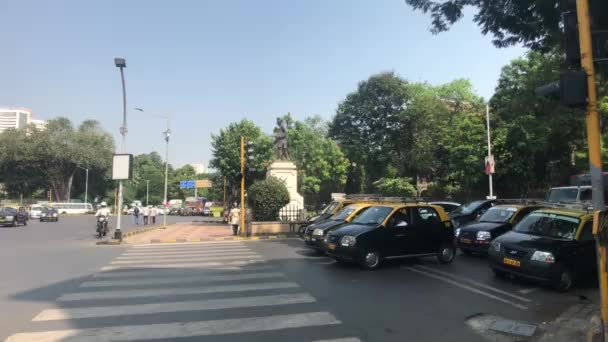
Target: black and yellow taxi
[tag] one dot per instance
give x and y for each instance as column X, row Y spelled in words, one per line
column 553, row 246
column 314, row 236
column 385, row 231
column 476, row 237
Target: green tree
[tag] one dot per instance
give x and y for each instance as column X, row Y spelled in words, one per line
column 53, row 155
column 533, row 23
column 226, row 151
column 266, row 198
column 321, row 163
column 397, row 187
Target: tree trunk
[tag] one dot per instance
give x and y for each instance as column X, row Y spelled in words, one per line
column 69, row 189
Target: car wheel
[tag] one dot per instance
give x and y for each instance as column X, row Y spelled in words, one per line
column 466, row 252
column 446, row 254
column 371, row 259
column 499, row 273
column 564, row 281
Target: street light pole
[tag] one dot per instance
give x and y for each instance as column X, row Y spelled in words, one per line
column 86, row 184
column 121, row 64
column 490, row 157
column 167, row 135
column 147, row 191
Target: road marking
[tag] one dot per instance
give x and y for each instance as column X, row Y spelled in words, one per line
column 183, row 265
column 180, row 280
column 182, row 256
column 173, row 291
column 153, row 308
column 202, row 252
column 185, row 260
column 528, row 291
column 179, row 272
column 167, row 331
column 344, row 339
column 466, row 287
column 206, row 244
column 478, row 284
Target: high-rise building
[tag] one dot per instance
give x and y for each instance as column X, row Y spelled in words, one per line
column 18, row 118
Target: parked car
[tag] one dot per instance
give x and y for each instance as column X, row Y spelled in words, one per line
column 470, row 211
column 447, row 206
column 553, row 246
column 49, row 214
column 563, row 194
column 35, row 211
column 160, row 210
column 186, row 212
column 207, row 211
column 8, row 216
column 477, row 236
column 394, row 231
column 314, row 236
column 174, row 211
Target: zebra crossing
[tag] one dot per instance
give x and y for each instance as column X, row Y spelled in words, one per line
column 206, row 291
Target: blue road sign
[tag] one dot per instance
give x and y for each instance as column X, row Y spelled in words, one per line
column 187, row 184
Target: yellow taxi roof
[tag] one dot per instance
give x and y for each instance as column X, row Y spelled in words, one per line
column 578, row 213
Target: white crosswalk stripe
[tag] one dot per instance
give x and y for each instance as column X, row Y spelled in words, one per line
column 180, row 280
column 188, row 283
column 182, row 329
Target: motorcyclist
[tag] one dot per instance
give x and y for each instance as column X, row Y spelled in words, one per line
column 103, row 210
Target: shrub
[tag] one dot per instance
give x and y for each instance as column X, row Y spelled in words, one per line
column 266, row 198
column 398, row 187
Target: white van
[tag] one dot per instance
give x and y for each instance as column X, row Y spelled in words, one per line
column 569, row 194
column 35, row 211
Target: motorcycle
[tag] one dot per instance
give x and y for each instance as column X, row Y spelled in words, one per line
column 102, row 225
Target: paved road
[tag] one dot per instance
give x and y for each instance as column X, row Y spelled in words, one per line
column 41, row 261
column 273, row 291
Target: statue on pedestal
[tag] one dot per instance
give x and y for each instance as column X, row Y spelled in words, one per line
column 280, row 140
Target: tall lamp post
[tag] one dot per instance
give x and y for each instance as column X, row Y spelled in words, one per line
column 167, row 134
column 121, row 64
column 86, row 184
column 147, row 190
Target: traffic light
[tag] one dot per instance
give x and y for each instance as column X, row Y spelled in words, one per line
column 571, row 42
column 249, row 157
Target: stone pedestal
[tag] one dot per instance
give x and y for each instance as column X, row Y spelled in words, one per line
column 288, row 172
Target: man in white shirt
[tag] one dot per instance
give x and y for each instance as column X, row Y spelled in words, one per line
column 146, row 213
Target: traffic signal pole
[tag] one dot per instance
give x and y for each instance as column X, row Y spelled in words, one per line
column 595, row 155
column 242, row 211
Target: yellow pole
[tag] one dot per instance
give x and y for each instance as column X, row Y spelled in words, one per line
column 242, row 211
column 594, row 142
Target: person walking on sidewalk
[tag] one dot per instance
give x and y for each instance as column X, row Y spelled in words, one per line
column 136, row 215
column 146, row 213
column 153, row 213
column 235, row 217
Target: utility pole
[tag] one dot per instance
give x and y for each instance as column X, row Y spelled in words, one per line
column 167, row 135
column 490, row 157
column 242, row 211
column 147, row 190
column 121, row 64
column 595, row 153
column 86, row 183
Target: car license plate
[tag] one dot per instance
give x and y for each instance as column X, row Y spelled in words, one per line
column 332, row 246
column 467, row 241
column 511, row 262
column 307, row 238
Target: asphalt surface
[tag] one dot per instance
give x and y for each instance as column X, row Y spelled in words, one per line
column 60, row 285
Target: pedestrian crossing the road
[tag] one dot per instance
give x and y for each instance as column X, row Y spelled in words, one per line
column 205, row 291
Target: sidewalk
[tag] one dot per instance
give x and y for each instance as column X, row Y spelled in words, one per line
column 192, row 232
column 581, row 322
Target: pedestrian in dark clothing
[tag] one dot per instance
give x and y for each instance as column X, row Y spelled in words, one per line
column 136, row 215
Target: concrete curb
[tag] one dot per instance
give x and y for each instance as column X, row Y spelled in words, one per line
column 113, row 242
column 230, row 238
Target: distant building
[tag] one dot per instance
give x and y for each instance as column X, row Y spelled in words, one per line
column 18, row 118
column 199, row 168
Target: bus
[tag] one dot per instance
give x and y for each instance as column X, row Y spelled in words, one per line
column 72, row 208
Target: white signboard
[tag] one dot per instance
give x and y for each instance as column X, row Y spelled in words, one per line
column 122, row 165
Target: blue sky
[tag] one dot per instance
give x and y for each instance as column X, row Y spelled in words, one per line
column 208, row 63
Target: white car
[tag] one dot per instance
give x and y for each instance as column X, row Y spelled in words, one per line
column 36, row 211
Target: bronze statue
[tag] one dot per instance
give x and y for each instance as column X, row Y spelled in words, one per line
column 280, row 140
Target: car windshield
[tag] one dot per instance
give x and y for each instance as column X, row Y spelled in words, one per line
column 562, row 195
column 374, row 215
column 344, row 213
column 468, row 208
column 330, row 208
column 549, row 225
column 498, row 215
column 5, row 210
